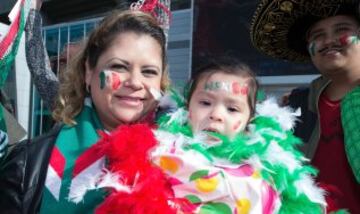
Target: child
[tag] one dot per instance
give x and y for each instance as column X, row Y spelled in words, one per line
column 218, row 158
column 230, row 164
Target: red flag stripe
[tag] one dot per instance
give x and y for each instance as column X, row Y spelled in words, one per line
column 57, row 161
column 87, row 158
column 9, row 38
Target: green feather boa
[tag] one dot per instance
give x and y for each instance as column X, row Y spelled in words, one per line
column 264, row 134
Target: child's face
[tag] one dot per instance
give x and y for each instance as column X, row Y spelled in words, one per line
column 219, row 104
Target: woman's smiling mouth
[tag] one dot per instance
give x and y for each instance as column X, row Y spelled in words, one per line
column 130, row 101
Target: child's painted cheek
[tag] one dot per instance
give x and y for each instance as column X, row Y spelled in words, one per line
column 312, row 48
column 236, row 126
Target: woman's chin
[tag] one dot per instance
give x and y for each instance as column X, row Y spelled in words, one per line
column 128, row 119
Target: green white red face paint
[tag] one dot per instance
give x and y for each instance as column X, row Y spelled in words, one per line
column 109, row 79
column 344, row 41
column 312, row 48
column 155, row 93
column 233, row 87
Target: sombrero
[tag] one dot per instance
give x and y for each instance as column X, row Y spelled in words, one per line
column 279, row 27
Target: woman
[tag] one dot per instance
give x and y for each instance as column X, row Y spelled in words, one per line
column 108, row 85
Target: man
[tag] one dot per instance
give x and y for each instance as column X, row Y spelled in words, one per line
column 327, row 32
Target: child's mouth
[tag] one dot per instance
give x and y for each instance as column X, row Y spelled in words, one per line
column 211, row 130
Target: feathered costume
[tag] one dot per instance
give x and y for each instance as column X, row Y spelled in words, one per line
column 170, row 169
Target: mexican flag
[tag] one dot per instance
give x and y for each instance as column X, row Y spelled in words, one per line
column 9, row 43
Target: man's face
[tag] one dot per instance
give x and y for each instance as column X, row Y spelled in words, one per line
column 333, row 44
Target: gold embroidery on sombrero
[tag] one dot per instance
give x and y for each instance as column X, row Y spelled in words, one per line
column 273, row 21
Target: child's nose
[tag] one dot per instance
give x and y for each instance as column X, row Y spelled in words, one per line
column 216, row 115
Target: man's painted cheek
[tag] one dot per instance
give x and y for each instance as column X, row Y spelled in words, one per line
column 312, row 48
column 346, row 40
column 233, row 87
column 109, row 79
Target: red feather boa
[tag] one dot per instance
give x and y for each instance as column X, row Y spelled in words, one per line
column 128, row 151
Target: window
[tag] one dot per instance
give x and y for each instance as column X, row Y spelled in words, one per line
column 77, row 32
column 180, row 4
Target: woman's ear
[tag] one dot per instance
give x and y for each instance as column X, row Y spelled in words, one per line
column 88, row 73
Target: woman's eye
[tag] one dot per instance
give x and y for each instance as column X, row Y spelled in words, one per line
column 150, row 72
column 204, row 103
column 118, row 67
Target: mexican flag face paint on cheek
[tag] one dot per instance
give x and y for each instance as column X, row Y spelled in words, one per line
column 346, row 40
column 110, row 79
column 116, row 82
column 312, row 48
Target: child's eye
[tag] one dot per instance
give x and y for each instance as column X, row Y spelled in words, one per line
column 233, row 109
column 204, row 103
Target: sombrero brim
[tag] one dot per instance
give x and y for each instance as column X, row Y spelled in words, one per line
column 279, row 27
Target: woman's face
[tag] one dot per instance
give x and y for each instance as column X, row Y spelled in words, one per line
column 123, row 77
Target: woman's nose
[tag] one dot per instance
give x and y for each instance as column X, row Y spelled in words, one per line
column 134, row 81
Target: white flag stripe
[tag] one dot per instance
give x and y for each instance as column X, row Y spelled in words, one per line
column 53, row 182
column 85, row 179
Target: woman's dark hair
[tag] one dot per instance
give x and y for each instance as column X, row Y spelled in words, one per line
column 226, row 65
column 72, row 91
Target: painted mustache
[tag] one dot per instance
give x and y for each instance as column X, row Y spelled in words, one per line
column 332, row 47
column 338, row 44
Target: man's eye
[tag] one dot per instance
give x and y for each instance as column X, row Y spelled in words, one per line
column 315, row 37
column 204, row 103
column 344, row 30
